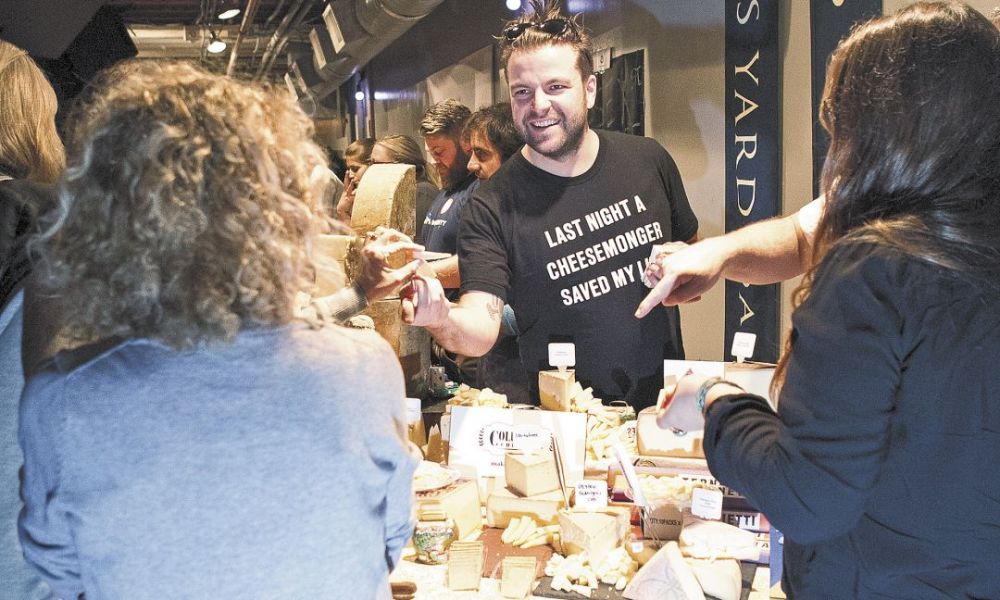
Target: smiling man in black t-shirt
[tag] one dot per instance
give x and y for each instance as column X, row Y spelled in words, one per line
column 563, row 230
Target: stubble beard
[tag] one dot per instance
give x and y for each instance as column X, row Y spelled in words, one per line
column 573, row 133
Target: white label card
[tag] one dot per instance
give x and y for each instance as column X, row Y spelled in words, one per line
column 562, row 355
column 413, row 410
column 706, row 503
column 743, row 345
column 591, row 495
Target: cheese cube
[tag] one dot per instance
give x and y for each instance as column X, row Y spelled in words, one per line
column 555, row 389
column 502, row 505
column 531, row 474
column 596, row 533
column 655, row 441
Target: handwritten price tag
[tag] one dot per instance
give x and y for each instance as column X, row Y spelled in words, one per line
column 592, row 495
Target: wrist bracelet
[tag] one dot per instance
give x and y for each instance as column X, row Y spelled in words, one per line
column 699, row 398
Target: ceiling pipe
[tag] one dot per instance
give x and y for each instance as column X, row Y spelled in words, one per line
column 248, row 15
column 381, row 23
column 276, row 44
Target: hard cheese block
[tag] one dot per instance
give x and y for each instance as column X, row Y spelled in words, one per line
column 460, row 500
column 502, row 505
column 531, row 474
column 596, row 533
column 654, row 441
column 555, row 389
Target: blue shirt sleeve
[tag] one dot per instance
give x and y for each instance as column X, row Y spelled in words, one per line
column 43, row 525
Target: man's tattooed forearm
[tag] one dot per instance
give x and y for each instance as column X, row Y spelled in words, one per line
column 495, row 308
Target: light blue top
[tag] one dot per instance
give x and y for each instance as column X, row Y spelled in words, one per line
column 19, row 581
column 276, row 466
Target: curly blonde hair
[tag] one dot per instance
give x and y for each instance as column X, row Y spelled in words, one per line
column 29, row 144
column 188, row 212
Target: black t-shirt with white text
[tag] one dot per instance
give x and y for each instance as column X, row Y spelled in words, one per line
column 568, row 253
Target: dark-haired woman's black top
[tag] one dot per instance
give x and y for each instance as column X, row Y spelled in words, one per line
column 882, row 466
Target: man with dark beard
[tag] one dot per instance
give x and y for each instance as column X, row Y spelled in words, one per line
column 563, row 230
column 441, row 128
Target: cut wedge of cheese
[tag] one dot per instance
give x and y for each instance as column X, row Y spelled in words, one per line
column 665, row 577
column 720, row 579
column 531, row 474
column 596, row 533
column 502, row 505
column 555, row 388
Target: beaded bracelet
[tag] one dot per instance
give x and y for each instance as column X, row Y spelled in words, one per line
column 699, row 398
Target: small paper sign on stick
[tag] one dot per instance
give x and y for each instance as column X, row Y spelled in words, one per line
column 591, row 495
column 562, row 355
column 706, row 503
column 743, row 345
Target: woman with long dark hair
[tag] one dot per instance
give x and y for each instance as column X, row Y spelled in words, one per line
column 879, row 465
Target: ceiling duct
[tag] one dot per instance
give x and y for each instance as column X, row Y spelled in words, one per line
column 365, row 27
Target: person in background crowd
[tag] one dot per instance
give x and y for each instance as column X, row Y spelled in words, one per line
column 337, row 163
column 202, row 443
column 493, row 139
column 404, row 149
column 877, row 467
column 31, row 159
column 559, row 234
column 761, row 253
column 357, row 157
column 334, row 189
column 441, row 128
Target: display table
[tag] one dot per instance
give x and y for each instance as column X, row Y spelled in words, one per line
column 431, row 584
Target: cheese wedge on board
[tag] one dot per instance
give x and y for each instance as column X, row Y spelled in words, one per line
column 555, row 389
column 720, row 579
column 531, row 474
column 502, row 505
column 596, row 533
column 665, row 577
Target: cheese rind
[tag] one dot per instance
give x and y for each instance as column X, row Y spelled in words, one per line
column 531, row 474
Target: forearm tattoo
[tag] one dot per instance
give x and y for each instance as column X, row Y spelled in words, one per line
column 495, row 308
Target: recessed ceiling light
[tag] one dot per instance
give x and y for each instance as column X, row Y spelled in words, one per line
column 216, row 45
column 229, row 14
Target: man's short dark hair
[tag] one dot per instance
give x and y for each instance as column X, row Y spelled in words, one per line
column 496, row 124
column 447, row 117
column 531, row 35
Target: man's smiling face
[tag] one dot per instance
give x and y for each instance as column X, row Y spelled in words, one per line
column 550, row 99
